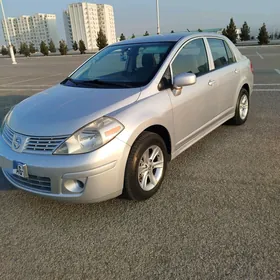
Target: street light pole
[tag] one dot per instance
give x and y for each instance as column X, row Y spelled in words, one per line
column 8, row 35
column 158, row 23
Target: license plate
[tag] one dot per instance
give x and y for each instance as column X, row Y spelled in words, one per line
column 20, row 169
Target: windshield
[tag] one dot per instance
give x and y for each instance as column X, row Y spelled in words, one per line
column 131, row 65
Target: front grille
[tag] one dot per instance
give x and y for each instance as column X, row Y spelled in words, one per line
column 43, row 144
column 33, row 144
column 33, row 182
column 8, row 135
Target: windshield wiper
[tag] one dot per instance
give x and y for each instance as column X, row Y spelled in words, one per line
column 72, row 81
column 109, row 83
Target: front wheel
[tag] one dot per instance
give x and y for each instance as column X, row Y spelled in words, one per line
column 242, row 108
column 146, row 166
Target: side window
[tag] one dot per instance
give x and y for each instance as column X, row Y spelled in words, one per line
column 166, row 81
column 191, row 59
column 231, row 57
column 219, row 52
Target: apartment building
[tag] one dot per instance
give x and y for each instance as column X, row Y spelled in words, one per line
column 32, row 29
column 82, row 21
column 107, row 21
column 68, row 29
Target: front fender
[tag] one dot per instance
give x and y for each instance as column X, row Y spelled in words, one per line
column 152, row 110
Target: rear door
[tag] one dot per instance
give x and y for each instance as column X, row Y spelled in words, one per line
column 227, row 73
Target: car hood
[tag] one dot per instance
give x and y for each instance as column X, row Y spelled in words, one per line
column 62, row 110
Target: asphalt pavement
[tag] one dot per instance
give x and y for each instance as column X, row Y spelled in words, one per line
column 217, row 215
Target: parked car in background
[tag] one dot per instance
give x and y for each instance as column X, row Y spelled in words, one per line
column 115, row 123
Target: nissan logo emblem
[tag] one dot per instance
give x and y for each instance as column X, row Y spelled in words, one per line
column 17, row 142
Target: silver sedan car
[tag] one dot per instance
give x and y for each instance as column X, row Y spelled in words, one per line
column 113, row 125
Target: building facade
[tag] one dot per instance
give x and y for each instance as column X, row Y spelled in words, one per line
column 32, row 29
column 82, row 21
column 68, row 29
column 107, row 22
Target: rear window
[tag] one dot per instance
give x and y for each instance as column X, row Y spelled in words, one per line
column 219, row 53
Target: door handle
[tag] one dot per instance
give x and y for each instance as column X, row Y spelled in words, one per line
column 236, row 71
column 211, row 83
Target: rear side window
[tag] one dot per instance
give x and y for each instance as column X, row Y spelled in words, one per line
column 192, row 58
column 219, row 53
column 231, row 57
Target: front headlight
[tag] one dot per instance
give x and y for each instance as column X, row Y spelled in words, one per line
column 91, row 137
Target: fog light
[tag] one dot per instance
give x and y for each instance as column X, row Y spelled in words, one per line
column 74, row 186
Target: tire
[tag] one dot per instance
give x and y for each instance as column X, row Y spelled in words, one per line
column 139, row 167
column 242, row 108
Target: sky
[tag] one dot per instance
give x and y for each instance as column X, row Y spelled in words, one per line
column 138, row 16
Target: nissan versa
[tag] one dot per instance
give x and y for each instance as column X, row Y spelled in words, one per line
column 112, row 126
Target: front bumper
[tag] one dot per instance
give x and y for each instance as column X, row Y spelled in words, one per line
column 101, row 172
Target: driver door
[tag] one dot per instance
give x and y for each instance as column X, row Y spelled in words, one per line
column 196, row 107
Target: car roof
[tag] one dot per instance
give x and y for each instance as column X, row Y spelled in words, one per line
column 172, row 37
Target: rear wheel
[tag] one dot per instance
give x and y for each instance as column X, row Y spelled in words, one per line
column 146, row 166
column 242, row 108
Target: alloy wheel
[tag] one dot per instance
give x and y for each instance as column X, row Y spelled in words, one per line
column 150, row 169
column 243, row 106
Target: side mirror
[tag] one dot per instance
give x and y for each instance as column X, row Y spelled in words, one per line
column 182, row 80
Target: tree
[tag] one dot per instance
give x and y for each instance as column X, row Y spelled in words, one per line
column 199, row 30
column 263, row 35
column 75, row 46
column 62, row 47
column 82, row 47
column 52, row 47
column 4, row 51
column 245, row 32
column 101, row 40
column 32, row 48
column 146, row 34
column 26, row 50
column 15, row 50
column 122, row 37
column 133, row 36
column 21, row 48
column 230, row 31
column 44, row 49
column 172, row 31
column 224, row 32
